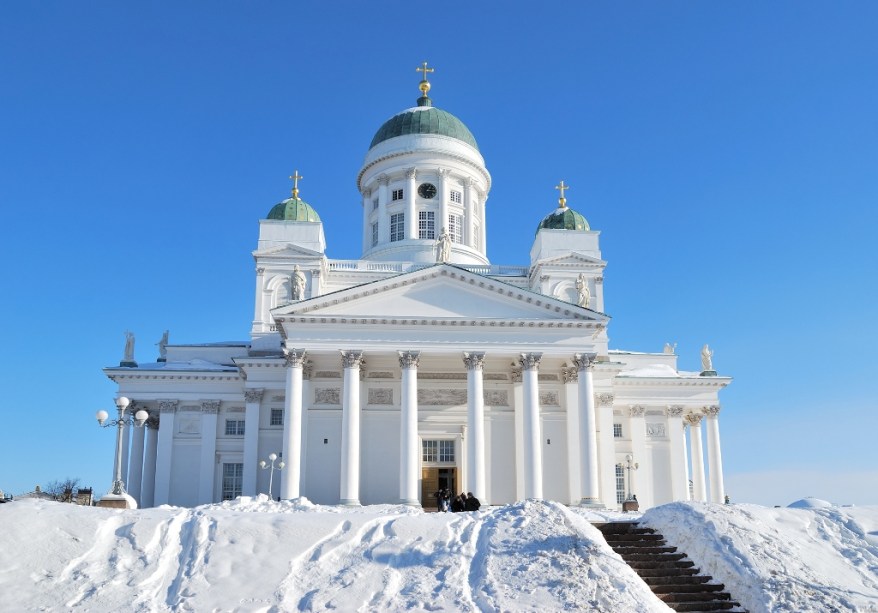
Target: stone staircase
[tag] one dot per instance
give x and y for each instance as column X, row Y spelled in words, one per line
column 668, row 573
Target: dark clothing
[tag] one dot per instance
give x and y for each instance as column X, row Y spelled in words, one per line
column 457, row 505
column 472, row 503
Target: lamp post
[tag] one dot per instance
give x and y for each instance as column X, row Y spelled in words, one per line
column 630, row 465
column 280, row 466
column 118, row 490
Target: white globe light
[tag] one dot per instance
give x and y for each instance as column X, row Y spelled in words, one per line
column 141, row 416
column 262, row 464
column 272, row 456
column 122, row 402
column 102, row 416
column 280, row 466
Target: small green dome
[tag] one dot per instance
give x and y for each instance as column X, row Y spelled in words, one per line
column 424, row 119
column 563, row 218
column 293, row 209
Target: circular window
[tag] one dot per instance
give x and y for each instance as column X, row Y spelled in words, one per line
column 427, row 190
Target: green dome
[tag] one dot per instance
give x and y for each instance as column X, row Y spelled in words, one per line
column 563, row 218
column 424, row 119
column 293, row 209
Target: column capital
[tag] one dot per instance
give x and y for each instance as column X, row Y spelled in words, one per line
column 637, row 411
column 474, row 360
column 253, row 395
column 694, row 419
column 443, row 172
column 409, row 359
column 168, row 406
column 530, row 361
column 294, row 358
column 260, row 270
column 598, row 279
column 382, row 179
column 675, row 410
column 351, row 358
column 469, row 181
column 605, row 400
column 712, row 411
column 516, row 374
column 411, row 173
column 584, row 361
column 569, row 374
column 210, row 406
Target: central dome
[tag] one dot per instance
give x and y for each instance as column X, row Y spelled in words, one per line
column 424, row 119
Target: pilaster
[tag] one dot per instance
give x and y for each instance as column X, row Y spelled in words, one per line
column 252, row 401
column 209, row 416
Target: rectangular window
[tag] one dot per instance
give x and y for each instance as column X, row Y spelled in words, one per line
column 277, row 417
column 427, row 224
column 234, row 427
column 438, row 451
column 233, row 478
column 455, row 196
column 374, row 233
column 620, row 484
column 455, row 228
column 375, row 204
column 397, row 227
column 396, row 195
column 617, row 430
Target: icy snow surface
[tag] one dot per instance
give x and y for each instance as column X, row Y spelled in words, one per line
column 821, row 559
column 259, row 555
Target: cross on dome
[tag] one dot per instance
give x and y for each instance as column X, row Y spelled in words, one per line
column 562, row 200
column 424, row 86
column 295, row 177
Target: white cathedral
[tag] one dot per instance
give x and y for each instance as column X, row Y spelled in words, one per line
column 422, row 365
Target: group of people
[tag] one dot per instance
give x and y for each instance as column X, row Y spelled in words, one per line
column 456, row 504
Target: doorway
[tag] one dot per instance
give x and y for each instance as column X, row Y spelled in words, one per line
column 433, row 480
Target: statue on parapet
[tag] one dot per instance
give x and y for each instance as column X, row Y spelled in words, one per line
column 706, row 359
column 163, row 347
column 128, row 358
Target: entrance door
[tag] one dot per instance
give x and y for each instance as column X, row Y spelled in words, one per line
column 435, row 479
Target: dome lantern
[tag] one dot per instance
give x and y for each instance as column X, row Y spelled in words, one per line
column 294, row 208
column 563, row 218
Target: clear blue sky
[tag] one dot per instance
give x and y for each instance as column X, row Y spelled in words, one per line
column 727, row 152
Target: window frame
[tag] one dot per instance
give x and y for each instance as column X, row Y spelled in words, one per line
column 397, row 227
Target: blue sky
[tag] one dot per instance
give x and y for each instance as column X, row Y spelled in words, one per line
column 727, row 152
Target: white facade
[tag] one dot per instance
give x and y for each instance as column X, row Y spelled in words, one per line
column 395, row 374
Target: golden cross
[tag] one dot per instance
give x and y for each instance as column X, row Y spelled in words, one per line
column 295, row 177
column 425, row 70
column 562, row 187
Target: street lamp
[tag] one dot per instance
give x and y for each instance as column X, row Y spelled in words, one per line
column 120, row 422
column 630, row 465
column 280, row 466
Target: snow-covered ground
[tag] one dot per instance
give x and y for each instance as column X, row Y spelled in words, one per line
column 811, row 556
column 259, row 555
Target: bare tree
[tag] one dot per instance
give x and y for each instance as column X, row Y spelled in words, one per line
column 63, row 491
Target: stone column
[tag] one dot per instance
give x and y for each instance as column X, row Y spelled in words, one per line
column 167, row 410
column 475, row 420
column 383, row 217
column 252, row 400
column 469, row 224
column 135, row 465
column 408, row 432
column 147, row 492
column 714, row 455
column 518, row 407
column 411, row 210
column 677, row 448
column 367, row 225
column 291, row 475
column 698, row 486
column 484, row 226
column 259, row 313
column 607, row 450
column 533, row 451
column 588, row 438
column 443, row 207
column 598, row 301
column 209, row 416
column 126, row 445
column 570, row 376
column 639, row 485
column 315, row 284
column 349, row 493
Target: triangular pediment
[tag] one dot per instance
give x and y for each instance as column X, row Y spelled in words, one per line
column 575, row 258
column 440, row 292
column 288, row 251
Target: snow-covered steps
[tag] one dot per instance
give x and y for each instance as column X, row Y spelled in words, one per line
column 668, row 572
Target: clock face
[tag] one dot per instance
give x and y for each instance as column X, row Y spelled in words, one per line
column 427, row 190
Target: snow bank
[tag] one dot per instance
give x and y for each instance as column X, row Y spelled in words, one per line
column 253, row 554
column 780, row 560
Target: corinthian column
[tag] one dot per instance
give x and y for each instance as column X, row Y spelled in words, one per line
column 588, row 441
column 135, row 466
column 291, row 475
column 677, row 448
column 411, row 211
column 533, row 452
column 209, row 415
column 167, row 410
column 408, row 429
column 475, row 441
column 252, row 400
column 698, row 486
column 147, row 494
column 349, row 493
column 714, row 455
